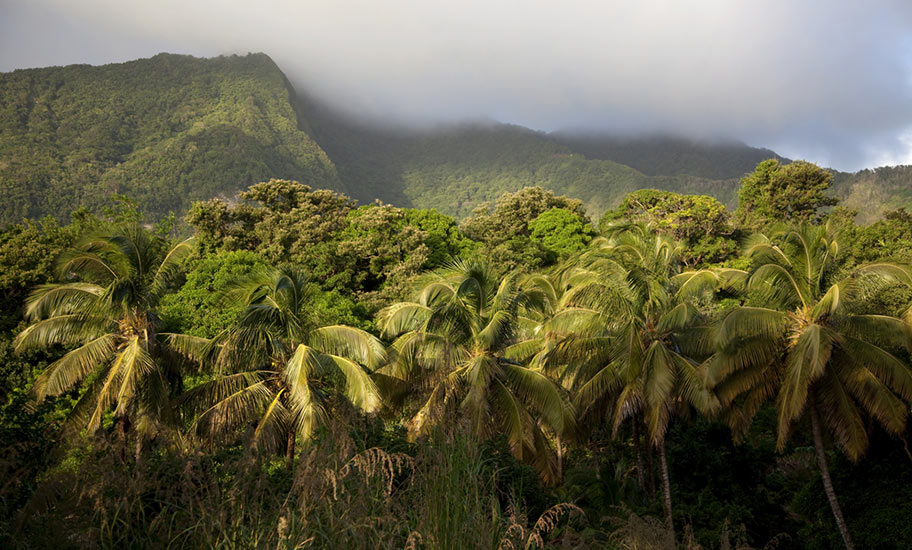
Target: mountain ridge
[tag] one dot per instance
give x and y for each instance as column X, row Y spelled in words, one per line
column 171, row 129
column 164, row 130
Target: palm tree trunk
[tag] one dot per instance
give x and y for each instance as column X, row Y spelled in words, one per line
column 825, row 476
column 122, row 426
column 560, row 459
column 641, row 479
column 137, row 450
column 290, row 450
column 666, row 489
column 650, row 469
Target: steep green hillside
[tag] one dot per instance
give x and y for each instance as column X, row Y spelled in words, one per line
column 462, row 167
column 456, row 168
column 873, row 192
column 164, row 131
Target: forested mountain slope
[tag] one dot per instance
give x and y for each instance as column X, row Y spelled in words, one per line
column 164, row 131
column 172, row 129
column 874, row 192
column 455, row 168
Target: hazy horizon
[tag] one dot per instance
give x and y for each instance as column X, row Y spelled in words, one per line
column 830, row 82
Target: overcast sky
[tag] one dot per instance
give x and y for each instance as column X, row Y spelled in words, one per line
column 829, row 81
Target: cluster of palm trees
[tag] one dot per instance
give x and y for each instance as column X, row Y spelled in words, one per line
column 620, row 334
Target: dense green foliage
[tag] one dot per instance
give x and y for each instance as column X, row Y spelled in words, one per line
column 700, row 222
column 166, row 131
column 774, row 193
column 629, row 370
column 561, row 231
column 371, row 252
column 669, row 156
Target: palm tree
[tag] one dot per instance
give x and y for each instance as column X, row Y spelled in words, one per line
column 278, row 367
column 113, row 281
column 803, row 339
column 450, row 350
column 637, row 358
column 544, row 320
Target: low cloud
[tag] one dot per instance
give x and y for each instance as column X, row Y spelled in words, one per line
column 828, row 81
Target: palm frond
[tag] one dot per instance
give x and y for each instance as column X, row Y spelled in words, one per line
column 276, row 421
column 206, row 394
column 62, row 375
column 523, row 350
column 63, row 329
column 883, row 330
column 606, row 381
column 694, row 388
column 222, row 405
column 435, row 293
column 874, row 397
column 679, row 318
column 353, row 343
column 780, row 286
column 887, row 367
column 660, row 374
column 834, row 300
column 127, row 370
column 805, row 364
column 51, row 300
column 840, row 415
column 886, row 272
column 497, row 330
column 692, row 284
column 304, row 364
column 436, row 405
column 475, row 406
column 541, row 396
column 169, row 268
column 403, row 317
column 360, row 389
column 748, row 322
column 194, row 348
column 96, row 264
column 515, row 421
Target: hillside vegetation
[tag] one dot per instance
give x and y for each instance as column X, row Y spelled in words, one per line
column 872, row 193
column 173, row 129
column 457, row 168
column 165, row 131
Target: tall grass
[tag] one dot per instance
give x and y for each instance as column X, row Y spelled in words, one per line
column 447, row 493
column 445, row 496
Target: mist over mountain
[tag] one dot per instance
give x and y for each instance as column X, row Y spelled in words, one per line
column 666, row 155
column 823, row 81
column 172, row 129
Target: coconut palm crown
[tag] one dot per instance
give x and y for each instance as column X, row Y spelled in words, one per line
column 105, row 309
column 637, row 353
column 278, row 368
column 450, row 351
